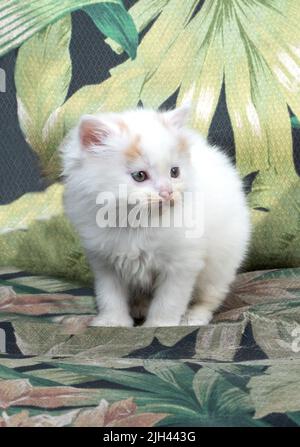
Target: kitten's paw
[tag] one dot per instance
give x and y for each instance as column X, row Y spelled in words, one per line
column 196, row 316
column 111, row 321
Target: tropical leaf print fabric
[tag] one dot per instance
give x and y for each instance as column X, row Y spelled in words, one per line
column 23, row 18
column 237, row 62
column 241, row 370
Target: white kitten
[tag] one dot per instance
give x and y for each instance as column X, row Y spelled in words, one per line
column 184, row 271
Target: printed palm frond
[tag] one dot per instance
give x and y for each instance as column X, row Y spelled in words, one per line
column 188, row 398
column 44, row 65
column 249, row 49
column 253, row 48
column 21, row 19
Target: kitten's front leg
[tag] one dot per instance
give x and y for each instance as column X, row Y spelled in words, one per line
column 171, row 299
column 112, row 300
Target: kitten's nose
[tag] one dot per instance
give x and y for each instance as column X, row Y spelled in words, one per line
column 165, row 194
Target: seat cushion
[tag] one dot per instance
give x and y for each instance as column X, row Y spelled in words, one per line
column 240, row 370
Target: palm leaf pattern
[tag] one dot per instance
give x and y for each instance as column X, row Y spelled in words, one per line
column 21, row 19
column 198, row 51
column 241, row 370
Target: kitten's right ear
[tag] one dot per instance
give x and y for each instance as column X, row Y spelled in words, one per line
column 92, row 132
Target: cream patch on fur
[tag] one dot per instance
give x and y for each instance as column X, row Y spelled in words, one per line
column 133, row 151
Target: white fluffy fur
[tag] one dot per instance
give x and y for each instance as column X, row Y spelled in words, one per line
column 187, row 278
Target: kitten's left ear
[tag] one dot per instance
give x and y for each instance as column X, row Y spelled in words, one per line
column 179, row 116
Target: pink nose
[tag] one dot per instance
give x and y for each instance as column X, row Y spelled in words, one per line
column 165, row 194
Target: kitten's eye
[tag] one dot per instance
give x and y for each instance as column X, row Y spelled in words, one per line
column 175, row 172
column 139, row 176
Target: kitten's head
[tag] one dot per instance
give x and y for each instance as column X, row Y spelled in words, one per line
column 145, row 150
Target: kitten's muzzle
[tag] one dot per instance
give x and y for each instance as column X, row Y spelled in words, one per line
column 166, row 194
column 166, row 198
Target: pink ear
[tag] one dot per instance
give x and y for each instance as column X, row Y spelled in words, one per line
column 179, row 116
column 92, row 132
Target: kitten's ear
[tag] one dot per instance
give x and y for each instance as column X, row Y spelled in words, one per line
column 92, row 132
column 179, row 116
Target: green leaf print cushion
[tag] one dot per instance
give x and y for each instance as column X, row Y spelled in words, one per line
column 237, row 62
